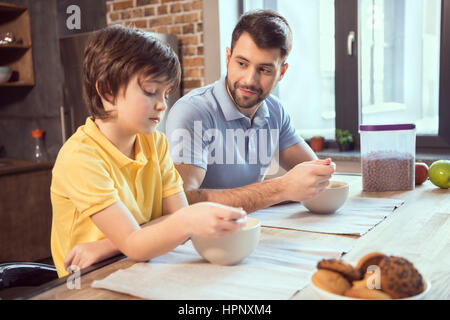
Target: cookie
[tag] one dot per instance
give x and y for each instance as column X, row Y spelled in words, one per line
column 365, row 293
column 399, row 277
column 371, row 259
column 330, row 281
column 362, row 283
column 347, row 270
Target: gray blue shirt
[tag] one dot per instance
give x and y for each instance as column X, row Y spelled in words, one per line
column 205, row 129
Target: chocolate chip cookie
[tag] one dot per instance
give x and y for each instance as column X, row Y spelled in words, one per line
column 399, row 277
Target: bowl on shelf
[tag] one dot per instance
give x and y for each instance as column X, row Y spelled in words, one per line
column 7, row 38
column 5, row 74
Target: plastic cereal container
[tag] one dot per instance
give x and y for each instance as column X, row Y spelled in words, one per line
column 388, row 157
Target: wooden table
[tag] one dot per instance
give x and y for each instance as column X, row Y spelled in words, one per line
column 419, row 230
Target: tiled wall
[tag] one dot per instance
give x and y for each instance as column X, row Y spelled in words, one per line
column 183, row 18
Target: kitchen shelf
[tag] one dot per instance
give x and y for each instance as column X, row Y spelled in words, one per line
column 11, row 8
column 17, row 84
column 14, row 46
column 18, row 56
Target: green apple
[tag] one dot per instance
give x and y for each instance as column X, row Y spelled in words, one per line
column 439, row 173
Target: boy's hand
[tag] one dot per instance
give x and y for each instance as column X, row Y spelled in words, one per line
column 306, row 180
column 208, row 219
column 86, row 254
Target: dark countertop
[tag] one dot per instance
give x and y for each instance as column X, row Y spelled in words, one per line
column 14, row 166
column 354, row 155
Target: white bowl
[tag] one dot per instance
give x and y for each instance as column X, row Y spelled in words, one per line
column 325, row 295
column 230, row 249
column 330, row 200
column 5, row 74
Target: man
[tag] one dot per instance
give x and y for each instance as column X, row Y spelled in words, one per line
column 223, row 136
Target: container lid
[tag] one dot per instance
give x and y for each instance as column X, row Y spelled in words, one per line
column 387, row 127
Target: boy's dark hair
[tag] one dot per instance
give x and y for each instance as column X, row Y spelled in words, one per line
column 114, row 55
column 268, row 30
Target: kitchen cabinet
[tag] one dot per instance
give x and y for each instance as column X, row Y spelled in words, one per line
column 25, row 210
column 17, row 55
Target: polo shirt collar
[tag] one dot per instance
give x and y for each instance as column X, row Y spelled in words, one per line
column 122, row 160
column 263, row 111
column 225, row 102
column 229, row 109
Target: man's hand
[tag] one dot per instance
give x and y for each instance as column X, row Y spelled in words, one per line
column 306, row 180
column 86, row 254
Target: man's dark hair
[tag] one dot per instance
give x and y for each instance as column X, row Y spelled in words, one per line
column 114, row 55
column 268, row 30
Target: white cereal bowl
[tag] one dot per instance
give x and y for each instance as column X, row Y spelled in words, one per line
column 5, row 74
column 325, row 295
column 330, row 200
column 230, row 249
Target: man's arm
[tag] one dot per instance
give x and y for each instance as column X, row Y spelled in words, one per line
column 250, row 198
column 302, row 182
column 295, row 154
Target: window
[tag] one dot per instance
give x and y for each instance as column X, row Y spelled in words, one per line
column 399, row 52
column 392, row 71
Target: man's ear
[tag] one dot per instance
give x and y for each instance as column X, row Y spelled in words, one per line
column 283, row 71
column 228, row 55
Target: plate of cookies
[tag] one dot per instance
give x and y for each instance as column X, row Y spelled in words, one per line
column 376, row 276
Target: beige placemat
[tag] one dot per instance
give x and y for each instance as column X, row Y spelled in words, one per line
column 356, row 217
column 277, row 269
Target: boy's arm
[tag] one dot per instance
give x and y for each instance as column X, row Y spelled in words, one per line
column 118, row 225
column 159, row 236
column 87, row 254
column 173, row 203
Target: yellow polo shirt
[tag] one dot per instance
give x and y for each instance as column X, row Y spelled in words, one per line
column 91, row 174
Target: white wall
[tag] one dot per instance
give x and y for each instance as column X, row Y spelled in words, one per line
column 219, row 20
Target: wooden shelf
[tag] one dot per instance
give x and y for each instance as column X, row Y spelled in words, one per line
column 8, row 7
column 17, row 84
column 14, row 46
column 17, row 56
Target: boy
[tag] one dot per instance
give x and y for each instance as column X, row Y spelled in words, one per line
column 114, row 186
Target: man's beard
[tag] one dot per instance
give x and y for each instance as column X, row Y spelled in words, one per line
column 242, row 102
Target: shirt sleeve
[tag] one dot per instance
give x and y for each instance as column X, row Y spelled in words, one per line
column 171, row 179
column 85, row 179
column 185, row 125
column 288, row 134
